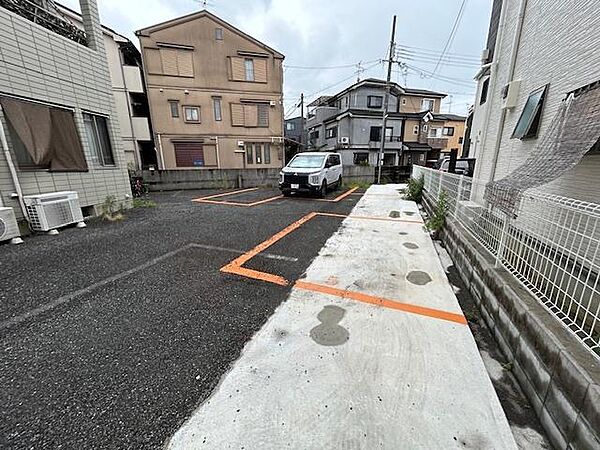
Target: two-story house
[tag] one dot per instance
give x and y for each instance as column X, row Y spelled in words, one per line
column 350, row 122
column 215, row 94
column 295, row 136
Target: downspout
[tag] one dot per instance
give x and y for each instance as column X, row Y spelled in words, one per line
column 13, row 170
column 511, row 73
column 160, row 151
column 217, row 148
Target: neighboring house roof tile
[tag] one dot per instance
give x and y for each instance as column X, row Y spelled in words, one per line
column 455, row 117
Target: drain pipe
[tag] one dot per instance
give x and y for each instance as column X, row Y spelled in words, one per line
column 511, row 73
column 12, row 169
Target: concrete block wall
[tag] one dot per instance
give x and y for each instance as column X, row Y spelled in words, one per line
column 560, row 46
column 559, row 376
column 37, row 64
column 169, row 180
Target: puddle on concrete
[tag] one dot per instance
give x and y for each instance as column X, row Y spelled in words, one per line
column 418, row 277
column 402, row 233
column 409, row 213
column 411, row 245
column 394, row 214
column 329, row 332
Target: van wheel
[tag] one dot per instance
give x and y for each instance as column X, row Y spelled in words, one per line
column 323, row 190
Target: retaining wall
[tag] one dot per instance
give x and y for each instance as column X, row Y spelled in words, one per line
column 559, row 376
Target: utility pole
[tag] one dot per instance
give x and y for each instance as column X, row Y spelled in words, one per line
column 386, row 101
column 302, row 121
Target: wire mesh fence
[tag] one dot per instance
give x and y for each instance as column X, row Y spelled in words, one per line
column 551, row 245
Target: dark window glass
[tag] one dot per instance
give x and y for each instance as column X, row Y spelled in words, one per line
column 98, row 136
column 374, row 101
column 529, row 121
column 361, row 159
column 375, row 134
column 484, row 91
column 249, row 157
column 267, row 150
column 174, row 106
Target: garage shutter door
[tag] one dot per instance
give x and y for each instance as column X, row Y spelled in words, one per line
column 189, row 154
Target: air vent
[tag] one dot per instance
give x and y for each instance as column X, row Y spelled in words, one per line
column 54, row 210
column 8, row 224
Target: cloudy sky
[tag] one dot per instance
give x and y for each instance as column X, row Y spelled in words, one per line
column 324, row 41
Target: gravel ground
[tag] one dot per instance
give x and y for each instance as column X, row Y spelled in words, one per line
column 112, row 335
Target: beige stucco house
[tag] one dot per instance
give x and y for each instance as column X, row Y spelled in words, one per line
column 215, row 94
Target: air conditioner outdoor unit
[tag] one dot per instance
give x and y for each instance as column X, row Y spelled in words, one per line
column 8, row 225
column 273, row 103
column 53, row 210
column 510, row 94
column 344, row 140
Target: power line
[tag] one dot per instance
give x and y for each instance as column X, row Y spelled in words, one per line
column 413, row 49
column 343, row 66
column 451, row 36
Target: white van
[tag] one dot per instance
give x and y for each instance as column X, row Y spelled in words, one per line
column 311, row 172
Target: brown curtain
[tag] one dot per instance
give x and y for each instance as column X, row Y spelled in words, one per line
column 67, row 152
column 32, row 123
column 48, row 134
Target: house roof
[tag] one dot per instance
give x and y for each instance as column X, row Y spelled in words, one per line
column 417, row 146
column 198, row 15
column 454, row 117
column 320, row 100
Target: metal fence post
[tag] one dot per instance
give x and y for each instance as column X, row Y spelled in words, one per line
column 458, row 194
column 502, row 242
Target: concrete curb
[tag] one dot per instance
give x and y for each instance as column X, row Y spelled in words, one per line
column 558, row 375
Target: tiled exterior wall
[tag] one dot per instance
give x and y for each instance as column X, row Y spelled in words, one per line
column 560, row 46
column 37, row 64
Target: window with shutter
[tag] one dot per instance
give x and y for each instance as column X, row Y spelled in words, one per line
column 189, row 154
column 153, row 61
column 250, row 115
column 260, row 70
column 238, row 73
column 185, row 63
column 263, row 115
column 237, row 115
column 169, row 61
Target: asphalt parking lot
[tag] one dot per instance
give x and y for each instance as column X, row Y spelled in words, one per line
column 113, row 334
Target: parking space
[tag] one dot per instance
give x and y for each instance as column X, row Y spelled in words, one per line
column 121, row 330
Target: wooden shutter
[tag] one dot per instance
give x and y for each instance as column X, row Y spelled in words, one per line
column 263, row 115
column 169, row 61
column 237, row 115
column 189, row 154
column 250, row 115
column 238, row 72
column 260, row 70
column 152, row 60
column 185, row 63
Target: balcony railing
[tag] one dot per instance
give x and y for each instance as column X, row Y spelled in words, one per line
column 44, row 13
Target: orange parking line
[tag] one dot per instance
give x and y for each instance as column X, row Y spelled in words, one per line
column 254, row 274
column 224, row 194
column 267, row 200
column 339, row 197
column 266, row 244
column 380, row 301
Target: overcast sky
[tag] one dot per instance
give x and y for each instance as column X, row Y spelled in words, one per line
column 325, row 33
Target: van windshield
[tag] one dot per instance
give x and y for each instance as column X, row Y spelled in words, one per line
column 307, row 162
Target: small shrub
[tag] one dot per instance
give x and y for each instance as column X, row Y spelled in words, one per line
column 436, row 222
column 143, row 203
column 414, row 190
column 358, row 184
column 111, row 210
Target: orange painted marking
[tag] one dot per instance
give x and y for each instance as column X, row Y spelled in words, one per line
column 224, row 194
column 380, row 301
column 339, row 197
column 270, row 199
column 233, row 203
column 254, row 274
column 239, row 261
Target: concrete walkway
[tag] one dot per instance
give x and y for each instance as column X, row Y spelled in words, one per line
column 332, row 370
